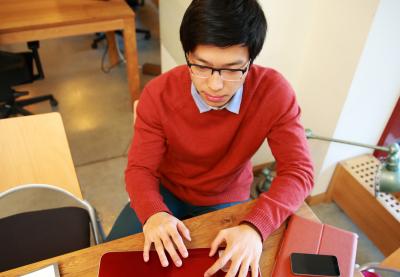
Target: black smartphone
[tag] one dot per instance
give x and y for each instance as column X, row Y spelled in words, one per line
column 314, row 264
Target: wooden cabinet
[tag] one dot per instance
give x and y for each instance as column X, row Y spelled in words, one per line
column 352, row 188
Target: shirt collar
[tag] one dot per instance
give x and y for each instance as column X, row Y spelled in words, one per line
column 233, row 104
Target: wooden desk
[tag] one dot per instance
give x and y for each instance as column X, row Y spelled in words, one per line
column 34, row 149
column 203, row 230
column 25, row 20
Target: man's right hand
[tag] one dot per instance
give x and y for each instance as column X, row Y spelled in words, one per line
column 165, row 230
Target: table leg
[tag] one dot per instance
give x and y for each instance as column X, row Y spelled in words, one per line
column 131, row 57
column 112, row 48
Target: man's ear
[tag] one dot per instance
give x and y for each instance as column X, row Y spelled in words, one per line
column 187, row 54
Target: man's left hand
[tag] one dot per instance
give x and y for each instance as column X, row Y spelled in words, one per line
column 243, row 249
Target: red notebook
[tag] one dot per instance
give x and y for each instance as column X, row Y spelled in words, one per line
column 130, row 264
column 306, row 236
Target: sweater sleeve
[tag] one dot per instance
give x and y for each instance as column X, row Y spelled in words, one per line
column 144, row 157
column 294, row 179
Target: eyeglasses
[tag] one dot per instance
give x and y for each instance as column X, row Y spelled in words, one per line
column 227, row 74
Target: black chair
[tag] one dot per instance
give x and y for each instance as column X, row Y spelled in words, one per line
column 17, row 69
column 134, row 4
column 59, row 223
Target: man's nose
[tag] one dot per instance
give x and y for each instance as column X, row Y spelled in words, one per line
column 215, row 81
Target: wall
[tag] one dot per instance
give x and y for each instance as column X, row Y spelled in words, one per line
column 171, row 14
column 373, row 93
column 320, row 46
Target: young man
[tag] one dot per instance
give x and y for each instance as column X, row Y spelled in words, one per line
column 197, row 127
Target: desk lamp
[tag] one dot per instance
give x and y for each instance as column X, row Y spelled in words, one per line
column 388, row 177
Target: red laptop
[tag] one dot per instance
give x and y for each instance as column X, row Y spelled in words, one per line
column 127, row 264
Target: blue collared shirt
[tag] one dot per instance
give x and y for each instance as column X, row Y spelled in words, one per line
column 233, row 104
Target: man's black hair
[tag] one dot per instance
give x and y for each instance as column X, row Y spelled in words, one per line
column 224, row 23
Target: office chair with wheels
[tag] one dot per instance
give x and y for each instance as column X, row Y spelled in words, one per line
column 134, row 4
column 59, row 223
column 16, row 69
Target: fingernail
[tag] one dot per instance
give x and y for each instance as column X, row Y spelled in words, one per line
column 178, row 263
column 164, row 264
column 146, row 259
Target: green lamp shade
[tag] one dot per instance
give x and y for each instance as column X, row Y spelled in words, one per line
column 388, row 180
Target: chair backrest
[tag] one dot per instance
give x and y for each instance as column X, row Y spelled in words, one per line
column 34, row 236
column 48, row 221
column 16, row 68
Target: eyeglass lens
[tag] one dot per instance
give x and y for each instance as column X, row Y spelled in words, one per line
column 206, row 72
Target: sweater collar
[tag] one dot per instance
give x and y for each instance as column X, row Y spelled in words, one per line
column 233, row 104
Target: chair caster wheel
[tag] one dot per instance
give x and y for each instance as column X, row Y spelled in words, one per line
column 53, row 102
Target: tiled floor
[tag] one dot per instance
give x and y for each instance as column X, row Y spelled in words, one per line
column 97, row 115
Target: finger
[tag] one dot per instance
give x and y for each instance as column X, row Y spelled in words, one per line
column 169, row 246
column 179, row 243
column 146, row 250
column 160, row 251
column 184, row 230
column 254, row 268
column 216, row 243
column 244, row 268
column 233, row 269
column 220, row 263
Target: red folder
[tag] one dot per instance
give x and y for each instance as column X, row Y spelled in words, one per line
column 130, row 264
column 305, row 236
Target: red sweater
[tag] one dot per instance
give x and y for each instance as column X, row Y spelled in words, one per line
column 204, row 158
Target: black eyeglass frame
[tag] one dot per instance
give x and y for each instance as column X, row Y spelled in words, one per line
column 213, row 69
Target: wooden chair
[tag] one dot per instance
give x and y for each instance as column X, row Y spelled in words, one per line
column 38, row 220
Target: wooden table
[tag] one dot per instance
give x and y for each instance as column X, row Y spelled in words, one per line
column 34, row 149
column 26, row 20
column 203, row 230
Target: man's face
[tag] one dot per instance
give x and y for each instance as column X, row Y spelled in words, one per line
column 214, row 90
